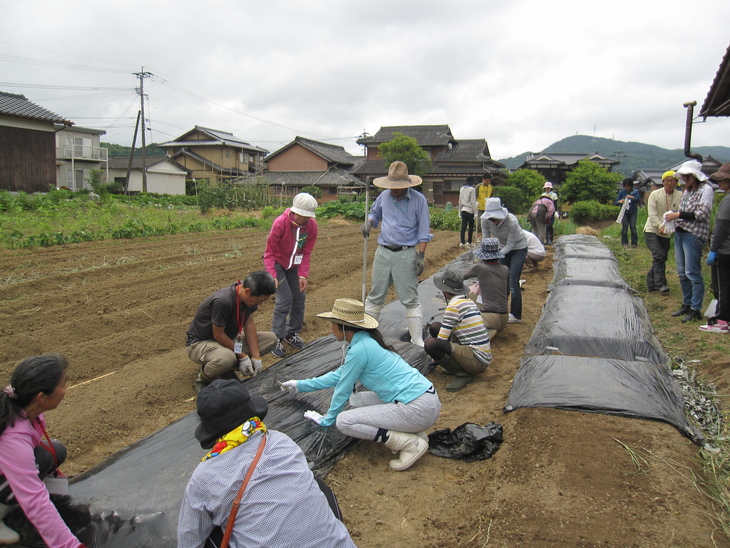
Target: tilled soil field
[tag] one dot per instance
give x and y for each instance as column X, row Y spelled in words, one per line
column 119, row 309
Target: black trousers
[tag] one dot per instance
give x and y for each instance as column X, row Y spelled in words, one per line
column 721, row 275
column 44, row 462
column 467, row 220
column 659, row 248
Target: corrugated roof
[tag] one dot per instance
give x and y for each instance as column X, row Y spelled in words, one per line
column 19, row 106
column 427, row 136
column 717, row 102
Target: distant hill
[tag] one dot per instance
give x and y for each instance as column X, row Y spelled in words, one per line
column 632, row 155
column 119, row 151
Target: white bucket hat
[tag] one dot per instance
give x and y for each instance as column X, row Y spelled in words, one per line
column 494, row 209
column 692, row 167
column 398, row 177
column 304, row 204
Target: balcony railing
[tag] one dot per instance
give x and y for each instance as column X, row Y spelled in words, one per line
column 81, row 152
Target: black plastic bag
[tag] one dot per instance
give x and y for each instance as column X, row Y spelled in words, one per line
column 468, row 441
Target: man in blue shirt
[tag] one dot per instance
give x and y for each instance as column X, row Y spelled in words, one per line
column 629, row 199
column 404, row 235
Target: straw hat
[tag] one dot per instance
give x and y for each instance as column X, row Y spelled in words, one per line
column 692, row 167
column 494, row 209
column 489, row 250
column 350, row 312
column 398, row 177
column 304, row 204
column 450, row 281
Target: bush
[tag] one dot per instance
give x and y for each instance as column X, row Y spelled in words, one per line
column 512, row 198
column 589, row 181
column 313, row 190
column 591, row 211
column 445, row 220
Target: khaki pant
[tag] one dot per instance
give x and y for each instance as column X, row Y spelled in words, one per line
column 464, row 356
column 494, row 322
column 216, row 359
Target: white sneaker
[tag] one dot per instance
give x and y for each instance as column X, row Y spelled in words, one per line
column 512, row 319
column 7, row 535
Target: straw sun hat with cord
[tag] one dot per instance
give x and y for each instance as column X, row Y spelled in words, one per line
column 350, row 312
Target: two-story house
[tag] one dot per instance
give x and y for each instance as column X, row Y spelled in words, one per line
column 78, row 151
column 215, row 155
column 453, row 160
column 27, row 144
column 555, row 166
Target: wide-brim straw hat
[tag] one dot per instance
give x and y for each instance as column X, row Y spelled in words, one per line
column 489, row 250
column 722, row 174
column 350, row 312
column 691, row 167
column 450, row 281
column 494, row 210
column 398, row 177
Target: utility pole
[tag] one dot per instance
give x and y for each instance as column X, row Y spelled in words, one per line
column 142, row 75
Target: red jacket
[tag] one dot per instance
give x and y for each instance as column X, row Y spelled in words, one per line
column 289, row 244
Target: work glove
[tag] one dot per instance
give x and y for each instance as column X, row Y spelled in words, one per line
column 712, row 258
column 245, row 366
column 289, row 386
column 258, row 366
column 313, row 415
column 419, row 263
column 365, row 229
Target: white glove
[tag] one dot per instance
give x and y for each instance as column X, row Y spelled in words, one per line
column 245, row 366
column 313, row 415
column 258, row 366
column 290, row 386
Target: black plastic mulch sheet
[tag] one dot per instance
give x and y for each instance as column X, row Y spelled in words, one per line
column 637, row 389
column 580, row 246
column 133, row 498
column 469, row 441
column 580, row 271
column 600, row 322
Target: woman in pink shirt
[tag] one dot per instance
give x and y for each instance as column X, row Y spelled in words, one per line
column 27, row 454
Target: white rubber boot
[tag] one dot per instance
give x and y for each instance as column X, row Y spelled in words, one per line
column 373, row 309
column 414, row 320
column 411, row 446
column 7, row 535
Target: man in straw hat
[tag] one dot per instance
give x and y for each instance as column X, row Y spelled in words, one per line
column 460, row 342
column 404, row 235
column 399, row 403
column 692, row 233
column 719, row 256
column 662, row 200
column 282, row 504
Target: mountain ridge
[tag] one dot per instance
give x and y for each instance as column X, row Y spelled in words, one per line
column 632, row 155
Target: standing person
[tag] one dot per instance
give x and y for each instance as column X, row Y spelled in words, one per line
column 499, row 223
column 493, row 285
column 223, row 334
column 27, row 453
column 287, row 256
column 399, row 403
column 547, row 190
column 660, row 201
column 467, row 210
column 719, row 256
column 692, row 232
column 282, row 504
column 483, row 192
column 403, row 238
column 460, row 342
column 628, row 221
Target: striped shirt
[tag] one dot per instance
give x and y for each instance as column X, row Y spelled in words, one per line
column 695, row 210
column 463, row 319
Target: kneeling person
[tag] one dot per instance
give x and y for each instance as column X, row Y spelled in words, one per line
column 282, row 504
column 471, row 353
column 223, row 334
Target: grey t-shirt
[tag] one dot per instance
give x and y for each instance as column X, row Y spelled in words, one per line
column 493, row 286
column 721, row 233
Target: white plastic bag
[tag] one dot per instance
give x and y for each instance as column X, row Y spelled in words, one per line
column 668, row 226
column 711, row 309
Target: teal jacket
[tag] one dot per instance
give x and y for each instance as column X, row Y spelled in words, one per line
column 379, row 370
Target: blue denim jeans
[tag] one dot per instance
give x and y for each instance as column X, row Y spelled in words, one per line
column 688, row 256
column 629, row 222
column 515, row 260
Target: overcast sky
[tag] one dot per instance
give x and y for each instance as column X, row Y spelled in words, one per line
column 521, row 74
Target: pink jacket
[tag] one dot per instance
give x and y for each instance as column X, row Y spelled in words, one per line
column 290, row 245
column 17, row 464
column 548, row 203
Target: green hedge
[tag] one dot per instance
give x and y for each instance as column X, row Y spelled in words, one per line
column 591, row 211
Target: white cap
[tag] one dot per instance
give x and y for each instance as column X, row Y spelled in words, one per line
column 304, row 204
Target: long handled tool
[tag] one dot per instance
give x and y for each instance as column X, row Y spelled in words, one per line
column 365, row 244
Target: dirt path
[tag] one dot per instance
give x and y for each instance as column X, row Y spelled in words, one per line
column 121, row 308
